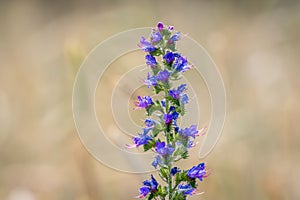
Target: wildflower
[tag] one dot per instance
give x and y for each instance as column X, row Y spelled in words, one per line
column 189, row 132
column 146, row 46
column 149, row 186
column 169, row 57
column 164, row 150
column 184, row 99
column 155, row 37
column 163, row 76
column 142, row 139
column 150, row 81
column 160, row 26
column 176, row 93
column 149, row 123
column 181, row 64
column 174, row 38
column 144, row 102
column 175, row 170
column 156, row 161
column 186, row 189
column 197, row 172
column 151, row 61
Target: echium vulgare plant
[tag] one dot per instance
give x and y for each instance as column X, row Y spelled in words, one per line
column 162, row 133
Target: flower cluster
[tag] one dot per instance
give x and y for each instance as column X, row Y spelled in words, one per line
column 166, row 66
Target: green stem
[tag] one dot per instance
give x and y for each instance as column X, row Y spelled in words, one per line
column 168, row 142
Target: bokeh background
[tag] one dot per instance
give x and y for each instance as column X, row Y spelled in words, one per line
column 42, row 44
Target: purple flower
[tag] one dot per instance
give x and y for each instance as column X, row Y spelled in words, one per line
column 181, row 64
column 151, row 61
column 171, row 28
column 160, row 26
column 163, row 76
column 143, row 102
column 197, row 172
column 164, row 150
column 146, row 46
column 167, row 118
column 155, row 37
column 149, row 123
column 184, row 99
column 175, row 170
column 176, row 93
column 172, row 115
column 174, row 37
column 144, row 191
column 186, row 189
column 156, row 161
column 189, row 132
column 149, row 186
column 150, row 81
column 169, row 57
column 142, row 139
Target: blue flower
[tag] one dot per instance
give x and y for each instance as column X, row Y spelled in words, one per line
column 144, row 191
column 174, row 37
column 184, row 99
column 164, row 150
column 163, row 76
column 172, row 115
column 176, row 93
column 149, row 123
column 167, row 118
column 181, row 64
column 150, row 81
column 189, row 132
column 186, row 189
column 142, row 139
column 198, row 172
column 146, row 46
column 156, row 161
column 175, row 170
column 149, row 186
column 144, row 102
column 169, row 57
column 155, row 37
column 150, row 60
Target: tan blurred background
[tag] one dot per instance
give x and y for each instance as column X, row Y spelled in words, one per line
column 42, row 44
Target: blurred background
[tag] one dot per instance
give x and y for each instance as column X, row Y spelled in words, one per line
column 42, row 44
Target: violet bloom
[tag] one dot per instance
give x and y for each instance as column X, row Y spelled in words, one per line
column 176, row 93
column 198, row 172
column 174, row 38
column 150, row 81
column 163, row 76
column 151, row 61
column 189, row 132
column 175, row 170
column 181, row 64
column 184, row 99
column 149, row 123
column 143, row 102
column 168, row 118
column 146, row 46
column 160, row 26
column 142, row 139
column 149, row 186
column 156, row 161
column 164, row 150
column 155, row 37
column 169, row 57
column 186, row 189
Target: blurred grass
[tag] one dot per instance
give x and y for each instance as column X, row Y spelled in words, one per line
column 42, row 44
